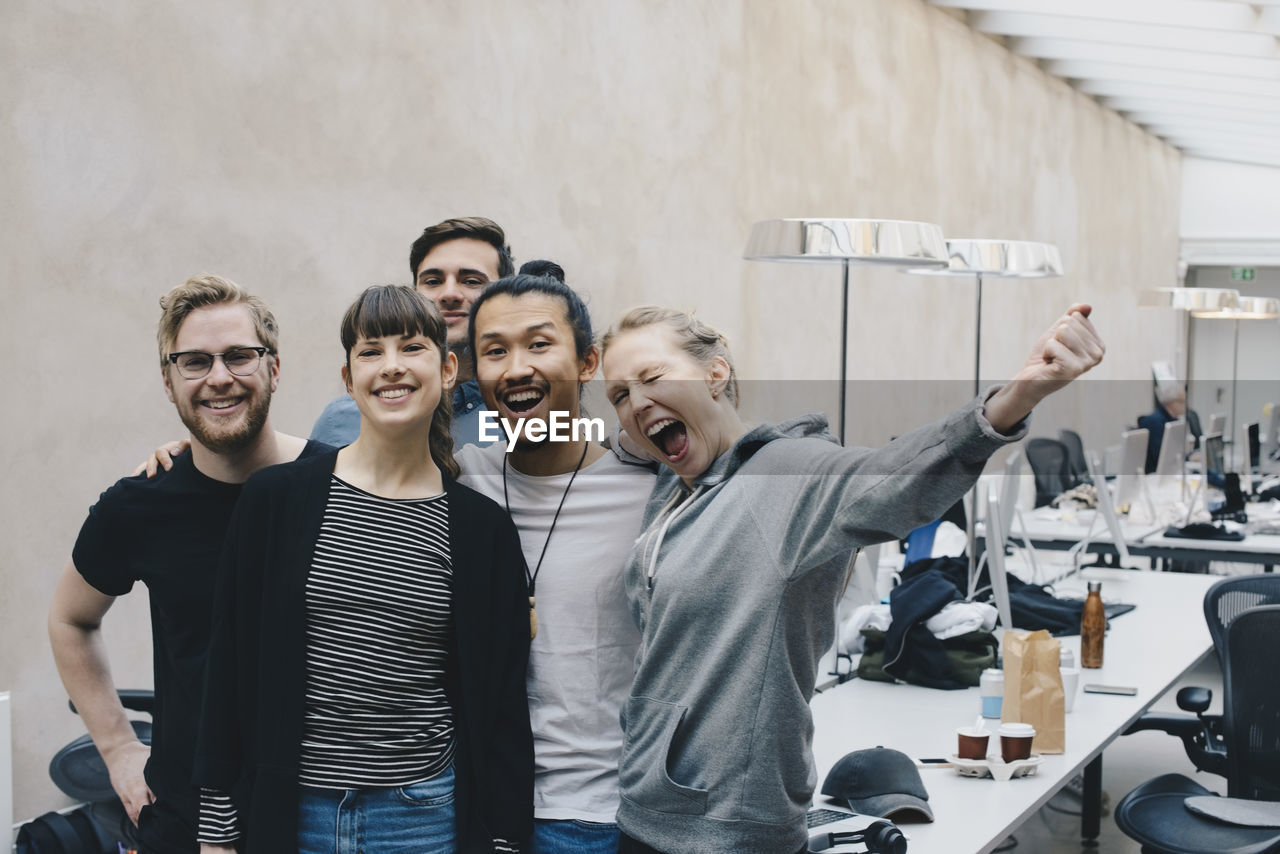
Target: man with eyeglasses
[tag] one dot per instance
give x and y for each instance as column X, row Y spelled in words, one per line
column 219, row 365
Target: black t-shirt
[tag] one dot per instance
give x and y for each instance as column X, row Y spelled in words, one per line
column 166, row 532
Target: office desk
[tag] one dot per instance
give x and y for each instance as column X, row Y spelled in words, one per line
column 1254, row 548
column 1149, row 648
column 1143, row 539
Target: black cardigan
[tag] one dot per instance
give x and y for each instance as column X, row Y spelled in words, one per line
column 254, row 699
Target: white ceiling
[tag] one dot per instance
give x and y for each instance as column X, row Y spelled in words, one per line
column 1204, row 75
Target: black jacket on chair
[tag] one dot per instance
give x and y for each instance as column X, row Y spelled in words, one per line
column 254, row 703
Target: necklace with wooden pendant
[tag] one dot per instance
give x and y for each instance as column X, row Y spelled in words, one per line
column 532, row 577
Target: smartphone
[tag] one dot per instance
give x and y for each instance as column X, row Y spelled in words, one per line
column 1110, row 689
column 933, row 762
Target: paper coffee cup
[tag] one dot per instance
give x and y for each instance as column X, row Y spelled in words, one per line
column 1015, row 741
column 972, row 743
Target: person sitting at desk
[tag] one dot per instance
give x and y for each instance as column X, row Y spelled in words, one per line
column 1171, row 404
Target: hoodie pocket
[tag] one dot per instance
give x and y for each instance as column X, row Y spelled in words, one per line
column 653, row 740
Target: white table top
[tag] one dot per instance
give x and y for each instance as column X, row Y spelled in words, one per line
column 1149, row 648
column 1045, row 525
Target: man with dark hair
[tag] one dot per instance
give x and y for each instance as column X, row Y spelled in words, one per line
column 219, row 364
column 578, row 509
column 452, row 262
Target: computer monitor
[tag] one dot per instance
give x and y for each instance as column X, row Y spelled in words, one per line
column 1253, row 445
column 1173, row 451
column 1215, row 464
column 995, row 562
column 1273, row 432
column 1133, row 462
column 1111, row 459
column 1217, row 423
column 1107, row 508
column 1009, row 489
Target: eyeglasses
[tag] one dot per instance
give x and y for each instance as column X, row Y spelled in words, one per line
column 242, row 361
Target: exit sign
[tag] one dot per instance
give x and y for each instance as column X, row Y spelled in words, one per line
column 1242, row 274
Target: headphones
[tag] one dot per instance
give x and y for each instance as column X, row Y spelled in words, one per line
column 880, row 837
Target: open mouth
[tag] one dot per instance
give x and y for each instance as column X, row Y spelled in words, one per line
column 522, row 401
column 221, row 404
column 671, row 438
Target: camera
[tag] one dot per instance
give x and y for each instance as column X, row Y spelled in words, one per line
column 880, row 837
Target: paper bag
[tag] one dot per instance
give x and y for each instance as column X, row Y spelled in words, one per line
column 1033, row 688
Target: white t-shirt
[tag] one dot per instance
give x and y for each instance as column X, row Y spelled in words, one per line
column 582, row 662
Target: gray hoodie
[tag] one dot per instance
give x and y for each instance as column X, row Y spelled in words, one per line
column 733, row 585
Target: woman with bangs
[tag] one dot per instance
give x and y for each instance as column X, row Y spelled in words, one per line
column 365, row 686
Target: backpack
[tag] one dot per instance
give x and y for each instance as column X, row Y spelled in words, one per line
column 77, row 832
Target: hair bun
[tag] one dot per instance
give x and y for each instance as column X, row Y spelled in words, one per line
column 550, row 269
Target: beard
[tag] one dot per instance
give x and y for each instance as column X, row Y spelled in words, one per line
column 233, row 438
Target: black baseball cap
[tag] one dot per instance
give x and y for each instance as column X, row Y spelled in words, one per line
column 880, row 782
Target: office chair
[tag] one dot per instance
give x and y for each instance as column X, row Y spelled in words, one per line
column 1075, row 456
column 1155, row 813
column 1202, row 736
column 78, row 770
column 1048, row 459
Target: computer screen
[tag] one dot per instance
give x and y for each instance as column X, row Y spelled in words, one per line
column 1111, row 460
column 1214, row 459
column 1273, row 430
column 1173, row 450
column 1108, row 509
column 1251, row 441
column 995, row 563
column 1009, row 488
column 1133, row 462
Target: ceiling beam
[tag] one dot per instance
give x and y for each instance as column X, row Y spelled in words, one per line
column 1206, row 14
column 1261, row 111
column 1163, row 93
column 1147, row 57
column 1122, row 32
column 1242, row 124
column 1073, row 69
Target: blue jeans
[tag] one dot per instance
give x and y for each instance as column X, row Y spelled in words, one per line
column 573, row 836
column 406, row 820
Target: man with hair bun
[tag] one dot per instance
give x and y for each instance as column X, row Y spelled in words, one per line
column 219, row 365
column 578, row 510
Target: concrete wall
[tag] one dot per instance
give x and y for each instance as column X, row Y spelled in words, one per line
column 299, row 149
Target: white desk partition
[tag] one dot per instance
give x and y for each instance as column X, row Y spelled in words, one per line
column 1133, row 461
column 995, row 563
column 6, row 769
column 1149, row 648
column 1107, row 508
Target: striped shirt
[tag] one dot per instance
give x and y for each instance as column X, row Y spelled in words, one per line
column 379, row 621
column 379, row 618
